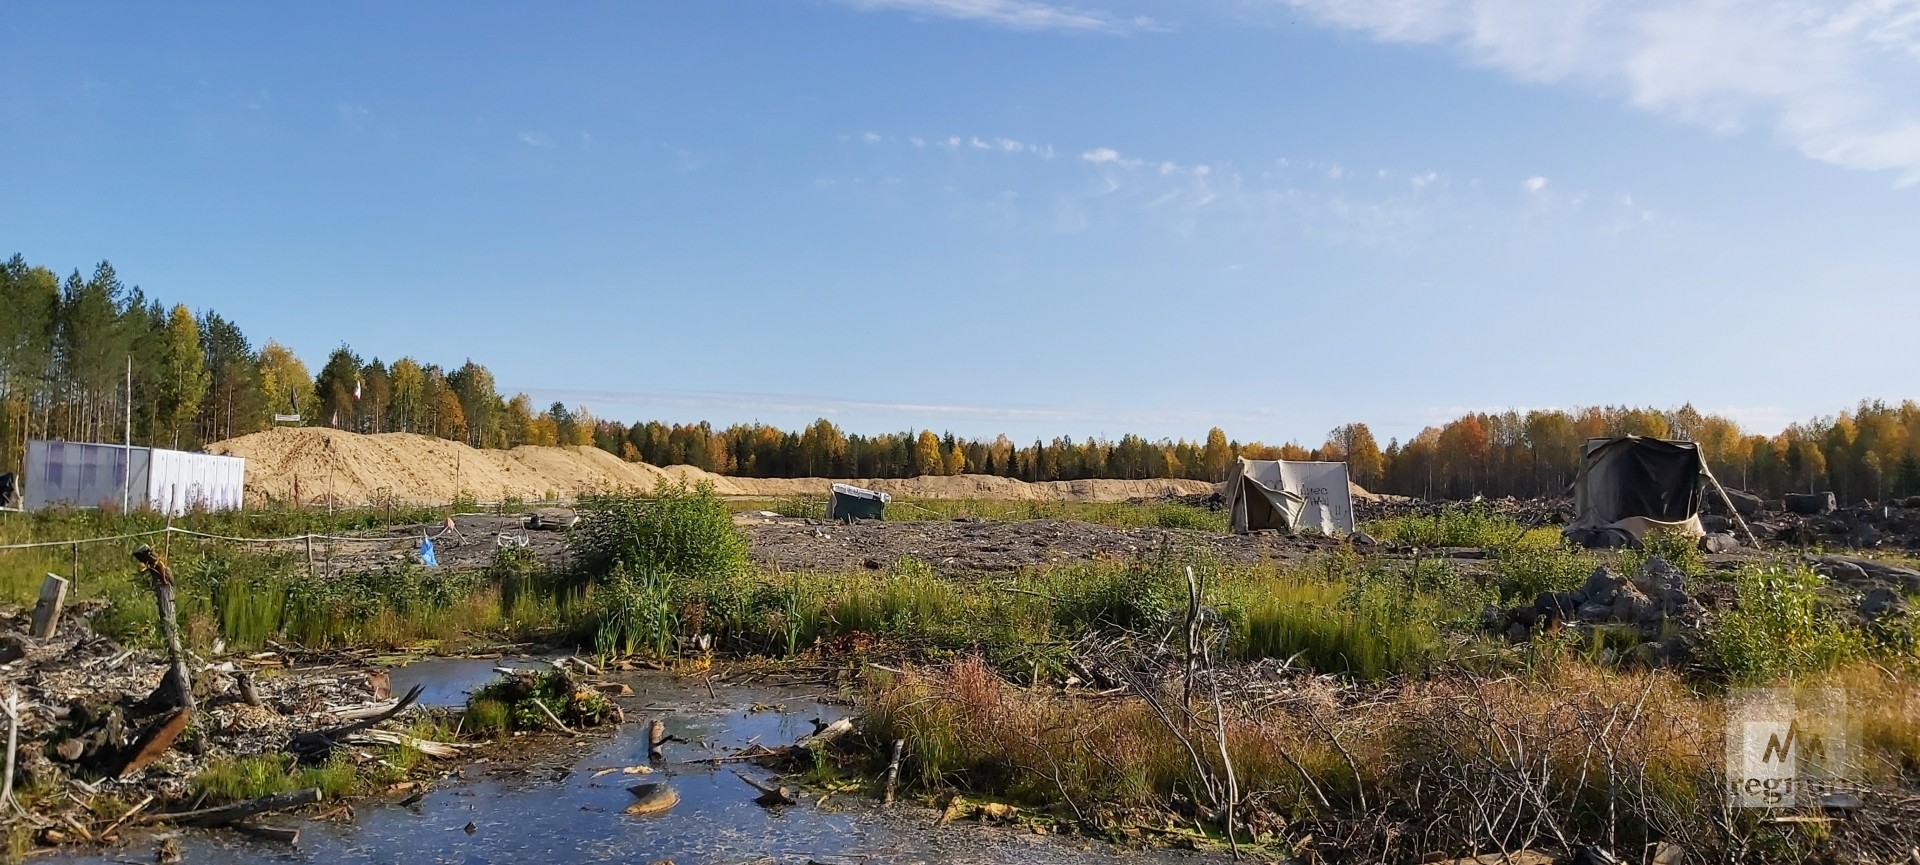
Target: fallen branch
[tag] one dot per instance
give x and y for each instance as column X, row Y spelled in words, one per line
column 770, row 795
column 227, row 814
column 443, row 750
column 267, row 833
column 316, row 743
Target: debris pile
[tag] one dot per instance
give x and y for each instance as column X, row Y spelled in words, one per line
column 98, row 720
column 1650, row 616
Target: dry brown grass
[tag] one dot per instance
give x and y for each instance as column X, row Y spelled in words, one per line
column 1570, row 754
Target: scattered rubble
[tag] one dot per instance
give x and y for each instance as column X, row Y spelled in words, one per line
column 1651, row 611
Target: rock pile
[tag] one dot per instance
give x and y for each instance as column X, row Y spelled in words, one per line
column 1652, row 610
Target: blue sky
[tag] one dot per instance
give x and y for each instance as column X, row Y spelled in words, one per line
column 1010, row 215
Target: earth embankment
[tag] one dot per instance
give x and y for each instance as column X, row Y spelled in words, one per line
column 316, row 465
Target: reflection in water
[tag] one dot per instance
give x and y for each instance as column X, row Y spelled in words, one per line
column 556, row 812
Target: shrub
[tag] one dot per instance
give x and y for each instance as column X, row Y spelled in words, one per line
column 1526, row 571
column 1679, row 549
column 1778, row 626
column 683, row 532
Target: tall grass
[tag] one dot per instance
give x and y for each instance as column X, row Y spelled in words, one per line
column 1779, row 626
column 1453, row 526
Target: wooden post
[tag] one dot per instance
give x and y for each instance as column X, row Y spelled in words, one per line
column 76, row 563
column 248, row 693
column 163, row 600
column 46, row 613
column 309, row 554
column 13, row 745
column 893, row 768
column 656, row 734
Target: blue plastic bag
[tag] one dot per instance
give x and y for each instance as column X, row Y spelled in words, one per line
column 426, row 552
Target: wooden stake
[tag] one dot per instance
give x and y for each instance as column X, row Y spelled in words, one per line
column 46, row 613
column 248, row 693
column 656, row 734
column 893, row 768
column 13, row 745
column 163, row 600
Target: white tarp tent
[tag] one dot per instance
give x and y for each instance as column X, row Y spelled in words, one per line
column 1289, row 495
column 80, row 474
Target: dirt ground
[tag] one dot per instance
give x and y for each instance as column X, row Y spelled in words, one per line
column 979, row 545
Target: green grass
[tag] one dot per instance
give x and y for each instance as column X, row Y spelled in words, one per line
column 1458, row 526
column 236, row 779
column 1779, row 627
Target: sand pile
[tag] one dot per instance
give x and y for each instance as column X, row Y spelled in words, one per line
column 312, row 464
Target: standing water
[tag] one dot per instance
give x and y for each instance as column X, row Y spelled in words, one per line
column 552, row 810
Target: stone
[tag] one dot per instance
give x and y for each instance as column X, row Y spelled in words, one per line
column 1882, row 602
column 1719, row 542
column 1518, row 633
column 1632, row 606
column 1810, row 504
column 13, row 647
column 1715, row 523
column 1602, row 586
column 1493, row 618
column 1863, row 536
column 1593, row 611
column 1362, row 539
column 1659, row 579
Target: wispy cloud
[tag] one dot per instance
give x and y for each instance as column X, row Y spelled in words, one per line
column 535, row 139
column 1535, row 183
column 1028, row 15
column 1834, row 79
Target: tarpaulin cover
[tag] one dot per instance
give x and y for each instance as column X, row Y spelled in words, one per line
column 1289, row 495
column 1638, row 484
column 846, row 501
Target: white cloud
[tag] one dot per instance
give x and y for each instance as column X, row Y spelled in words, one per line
column 1535, row 183
column 1109, row 156
column 1009, row 146
column 1335, row 172
column 1420, row 181
column 1013, row 14
column 870, row 137
column 536, row 139
column 978, row 144
column 917, row 141
column 1835, row 80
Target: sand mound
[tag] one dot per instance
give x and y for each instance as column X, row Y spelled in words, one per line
column 310, row 465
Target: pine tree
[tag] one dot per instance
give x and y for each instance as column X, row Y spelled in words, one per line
column 334, row 390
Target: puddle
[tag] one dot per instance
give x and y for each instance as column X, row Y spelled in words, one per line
column 447, row 681
column 554, row 811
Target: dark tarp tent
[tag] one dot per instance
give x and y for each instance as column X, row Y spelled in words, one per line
column 1635, row 484
column 847, row 502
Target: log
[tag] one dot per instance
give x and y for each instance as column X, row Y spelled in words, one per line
column 152, row 742
column 770, row 795
column 825, row 734
column 267, row 833
column 227, row 814
column 162, row 579
column 46, row 613
column 893, row 769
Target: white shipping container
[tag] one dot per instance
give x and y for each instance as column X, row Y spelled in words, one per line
column 87, row 475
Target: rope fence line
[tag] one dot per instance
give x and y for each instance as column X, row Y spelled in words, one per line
column 181, row 531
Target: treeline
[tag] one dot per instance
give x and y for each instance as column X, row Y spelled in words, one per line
column 74, row 351
column 1871, row 452
column 67, row 346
